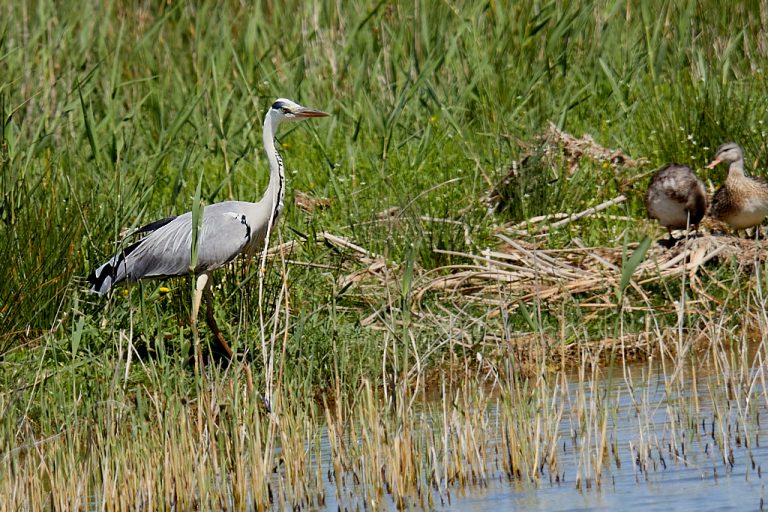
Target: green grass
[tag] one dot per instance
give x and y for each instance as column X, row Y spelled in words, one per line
column 112, row 112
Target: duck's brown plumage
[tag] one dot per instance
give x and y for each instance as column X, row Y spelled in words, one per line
column 742, row 201
column 676, row 197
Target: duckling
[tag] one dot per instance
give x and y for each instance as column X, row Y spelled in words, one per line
column 676, row 198
column 742, row 201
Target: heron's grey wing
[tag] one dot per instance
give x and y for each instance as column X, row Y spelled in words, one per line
column 227, row 230
column 166, row 250
column 152, row 226
column 114, row 270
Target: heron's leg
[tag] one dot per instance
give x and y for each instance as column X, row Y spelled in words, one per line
column 200, row 285
column 212, row 322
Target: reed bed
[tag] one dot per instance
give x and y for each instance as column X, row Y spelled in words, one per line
column 225, row 451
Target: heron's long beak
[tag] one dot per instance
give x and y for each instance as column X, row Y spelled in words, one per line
column 310, row 112
column 713, row 163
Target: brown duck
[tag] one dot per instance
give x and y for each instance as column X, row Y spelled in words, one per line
column 742, row 201
column 676, row 198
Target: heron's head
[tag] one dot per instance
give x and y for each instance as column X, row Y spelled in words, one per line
column 287, row 110
column 729, row 152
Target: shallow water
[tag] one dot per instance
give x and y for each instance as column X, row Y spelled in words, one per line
column 697, row 475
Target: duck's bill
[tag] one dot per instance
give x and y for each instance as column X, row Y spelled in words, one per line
column 713, row 163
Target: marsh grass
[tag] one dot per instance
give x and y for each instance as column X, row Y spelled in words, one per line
column 356, row 363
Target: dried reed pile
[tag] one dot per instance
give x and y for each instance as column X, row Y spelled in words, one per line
column 518, row 270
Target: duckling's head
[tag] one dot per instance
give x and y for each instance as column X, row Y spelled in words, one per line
column 729, row 152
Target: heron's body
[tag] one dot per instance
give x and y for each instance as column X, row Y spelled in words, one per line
column 676, row 198
column 228, row 229
column 741, row 201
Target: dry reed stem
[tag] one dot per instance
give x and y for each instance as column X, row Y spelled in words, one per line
column 561, row 219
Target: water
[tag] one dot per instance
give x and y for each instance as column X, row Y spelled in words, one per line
column 714, row 465
column 675, row 488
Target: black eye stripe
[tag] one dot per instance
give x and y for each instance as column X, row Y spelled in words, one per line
column 282, row 107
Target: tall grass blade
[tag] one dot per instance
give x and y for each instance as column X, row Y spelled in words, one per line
column 197, row 222
column 629, row 267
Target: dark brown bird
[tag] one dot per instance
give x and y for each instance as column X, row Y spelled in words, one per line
column 676, row 198
column 742, row 201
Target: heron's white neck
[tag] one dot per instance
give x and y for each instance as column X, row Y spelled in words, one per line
column 276, row 188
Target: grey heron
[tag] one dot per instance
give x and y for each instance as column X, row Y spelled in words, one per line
column 742, row 201
column 676, row 197
column 228, row 229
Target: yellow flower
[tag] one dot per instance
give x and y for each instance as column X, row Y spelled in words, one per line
column 124, row 292
column 163, row 290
